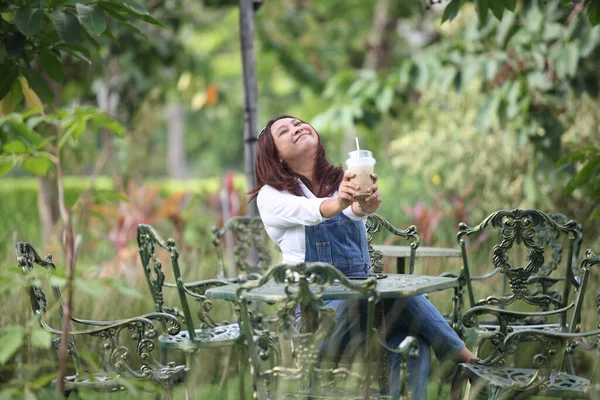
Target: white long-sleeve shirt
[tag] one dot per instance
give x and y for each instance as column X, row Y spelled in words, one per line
column 285, row 215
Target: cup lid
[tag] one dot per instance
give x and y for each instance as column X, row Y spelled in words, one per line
column 360, row 154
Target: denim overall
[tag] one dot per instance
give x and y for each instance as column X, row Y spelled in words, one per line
column 334, row 241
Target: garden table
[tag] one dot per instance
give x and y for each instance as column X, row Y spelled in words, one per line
column 390, row 286
column 401, row 253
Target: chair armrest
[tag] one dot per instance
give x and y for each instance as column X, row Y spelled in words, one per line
column 574, row 339
column 544, row 280
column 506, row 317
column 173, row 323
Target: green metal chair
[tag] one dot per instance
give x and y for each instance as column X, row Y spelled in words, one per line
column 123, row 363
column 547, row 236
column 242, row 247
column 549, row 376
column 209, row 334
column 301, row 372
column 376, row 223
column 518, row 230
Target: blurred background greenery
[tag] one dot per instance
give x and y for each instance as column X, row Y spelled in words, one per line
column 464, row 117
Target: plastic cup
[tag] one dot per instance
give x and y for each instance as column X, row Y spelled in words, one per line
column 362, row 163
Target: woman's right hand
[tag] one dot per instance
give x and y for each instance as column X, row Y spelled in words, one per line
column 345, row 197
column 347, row 191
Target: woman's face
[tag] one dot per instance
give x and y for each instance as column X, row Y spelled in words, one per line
column 294, row 139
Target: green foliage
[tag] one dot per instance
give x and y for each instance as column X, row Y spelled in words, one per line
column 54, row 31
column 21, row 144
column 588, row 176
column 498, row 7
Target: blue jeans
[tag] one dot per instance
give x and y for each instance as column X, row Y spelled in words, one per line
column 414, row 316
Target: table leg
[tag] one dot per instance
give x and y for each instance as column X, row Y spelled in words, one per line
column 401, row 265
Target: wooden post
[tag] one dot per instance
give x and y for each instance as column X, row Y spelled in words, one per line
column 250, row 95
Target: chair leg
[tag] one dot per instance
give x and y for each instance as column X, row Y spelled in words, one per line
column 225, row 373
column 190, row 387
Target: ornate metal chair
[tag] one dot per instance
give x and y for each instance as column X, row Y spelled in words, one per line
column 376, row 223
column 242, row 247
column 307, row 373
column 122, row 363
column 209, row 334
column 550, row 238
column 548, row 377
column 518, row 230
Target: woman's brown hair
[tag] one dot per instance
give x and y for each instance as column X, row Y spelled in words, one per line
column 269, row 171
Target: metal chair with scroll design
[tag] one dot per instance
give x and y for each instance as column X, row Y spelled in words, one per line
column 209, row 334
column 517, row 229
column 242, row 247
column 119, row 366
column 549, row 376
column 549, row 237
column 309, row 372
column 376, row 223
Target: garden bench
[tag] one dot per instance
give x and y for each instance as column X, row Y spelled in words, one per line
column 121, row 361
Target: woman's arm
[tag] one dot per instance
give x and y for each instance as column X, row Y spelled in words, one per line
column 283, row 209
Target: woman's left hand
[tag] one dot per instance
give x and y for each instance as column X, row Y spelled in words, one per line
column 371, row 204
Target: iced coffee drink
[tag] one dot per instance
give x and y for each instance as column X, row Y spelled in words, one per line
column 362, row 163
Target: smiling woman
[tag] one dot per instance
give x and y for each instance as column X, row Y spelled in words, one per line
column 312, row 210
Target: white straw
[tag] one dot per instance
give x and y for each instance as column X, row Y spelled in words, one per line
column 357, row 146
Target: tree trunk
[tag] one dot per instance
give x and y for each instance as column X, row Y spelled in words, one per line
column 376, row 51
column 47, row 205
column 176, row 158
column 375, row 57
column 250, row 96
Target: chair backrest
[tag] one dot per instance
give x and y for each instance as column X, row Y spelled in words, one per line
column 550, row 238
column 589, row 340
column 519, row 229
column 27, row 259
column 242, row 247
column 376, row 223
column 148, row 239
column 300, row 288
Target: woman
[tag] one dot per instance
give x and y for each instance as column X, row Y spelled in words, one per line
column 308, row 208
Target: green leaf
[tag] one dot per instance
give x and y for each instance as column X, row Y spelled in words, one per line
column 572, row 60
column 108, row 195
column 10, row 342
column 41, row 338
column 39, row 85
column 52, row 66
column 587, row 172
column 14, row 43
column 110, row 123
column 93, row 18
column 12, row 99
column 151, row 20
column 14, row 147
column 67, row 26
column 6, row 167
column 37, row 165
column 482, row 9
column 486, row 113
column 135, row 7
column 28, row 395
column 28, row 20
column 384, row 100
column 451, row 10
column 90, row 287
column 497, row 8
column 510, row 4
column 596, row 212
